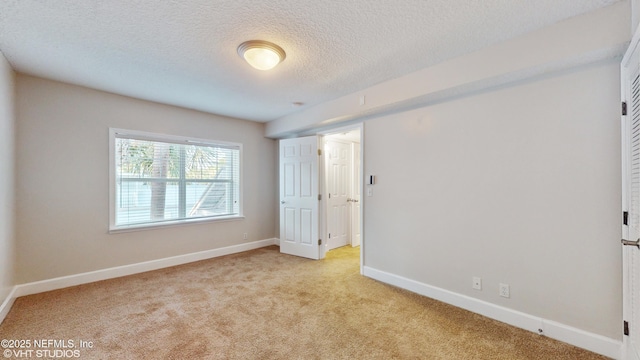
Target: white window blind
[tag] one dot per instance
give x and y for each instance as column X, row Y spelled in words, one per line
column 161, row 179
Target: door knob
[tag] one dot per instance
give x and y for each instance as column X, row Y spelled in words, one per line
column 631, row 243
column 281, row 201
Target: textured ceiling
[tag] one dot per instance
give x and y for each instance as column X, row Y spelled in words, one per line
column 184, row 52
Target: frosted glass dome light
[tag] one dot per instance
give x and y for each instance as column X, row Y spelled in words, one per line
column 260, row 54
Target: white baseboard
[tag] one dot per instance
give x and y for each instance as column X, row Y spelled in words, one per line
column 7, row 303
column 596, row 343
column 110, row 273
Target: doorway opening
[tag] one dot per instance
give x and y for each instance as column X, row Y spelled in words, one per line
column 315, row 170
column 342, row 149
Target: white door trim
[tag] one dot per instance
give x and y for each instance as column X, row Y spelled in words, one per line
column 629, row 70
column 356, row 189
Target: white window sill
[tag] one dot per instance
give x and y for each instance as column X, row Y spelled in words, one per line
column 140, row 227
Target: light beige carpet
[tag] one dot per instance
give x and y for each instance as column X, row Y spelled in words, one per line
column 265, row 305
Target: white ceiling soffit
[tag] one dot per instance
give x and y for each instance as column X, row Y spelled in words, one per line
column 184, row 52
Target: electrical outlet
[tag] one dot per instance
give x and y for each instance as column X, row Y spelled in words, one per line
column 244, row 236
column 504, row 290
column 477, row 283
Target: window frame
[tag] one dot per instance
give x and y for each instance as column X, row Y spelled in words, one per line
column 115, row 133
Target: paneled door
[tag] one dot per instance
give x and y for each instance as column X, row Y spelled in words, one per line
column 630, row 72
column 299, row 201
column 338, row 158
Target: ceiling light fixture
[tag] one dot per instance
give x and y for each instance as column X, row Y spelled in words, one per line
column 261, row 54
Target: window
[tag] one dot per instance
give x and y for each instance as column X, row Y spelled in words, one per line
column 159, row 180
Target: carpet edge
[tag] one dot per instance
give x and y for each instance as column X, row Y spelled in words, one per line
column 577, row 337
column 130, row 269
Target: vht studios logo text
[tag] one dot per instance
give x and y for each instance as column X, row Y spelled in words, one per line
column 42, row 353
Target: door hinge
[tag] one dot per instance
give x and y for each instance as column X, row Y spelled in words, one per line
column 319, row 241
column 319, row 196
column 625, row 218
column 320, row 150
column 329, row 235
column 626, row 327
column 624, row 108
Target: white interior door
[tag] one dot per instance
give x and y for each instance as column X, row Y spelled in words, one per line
column 338, row 158
column 356, row 185
column 630, row 71
column 299, row 201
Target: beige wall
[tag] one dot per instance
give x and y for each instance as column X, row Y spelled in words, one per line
column 7, row 174
column 62, row 180
column 519, row 185
column 635, row 15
